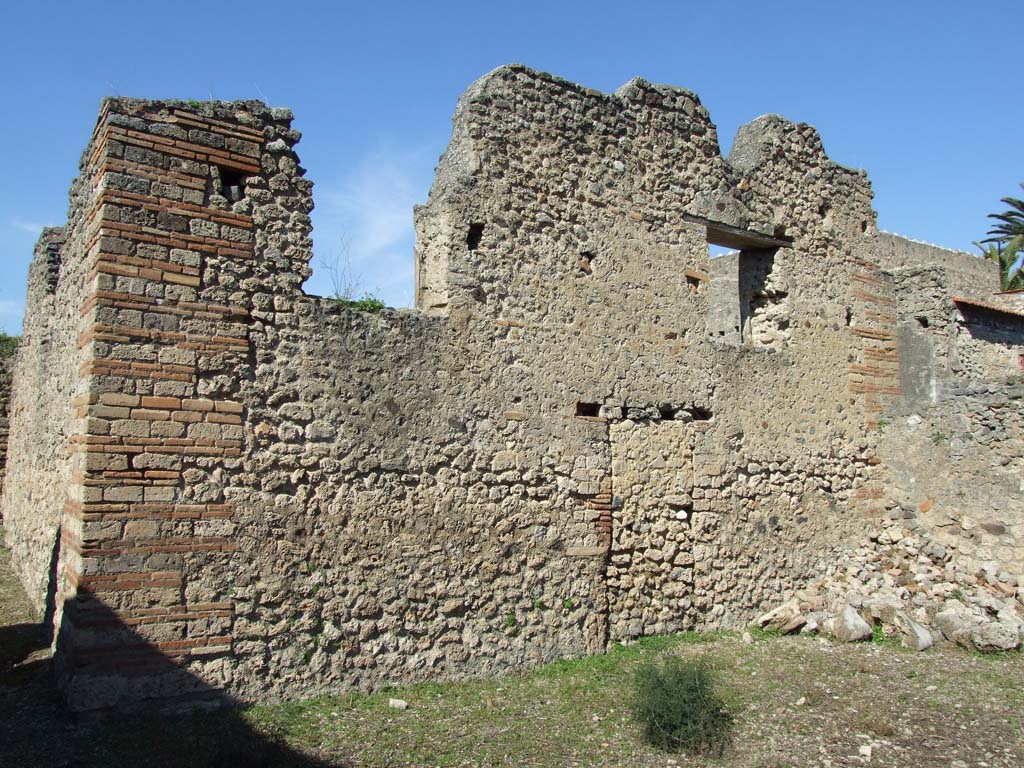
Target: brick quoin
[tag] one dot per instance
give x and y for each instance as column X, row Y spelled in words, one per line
column 143, row 309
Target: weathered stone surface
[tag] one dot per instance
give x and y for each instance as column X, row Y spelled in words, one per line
column 6, row 372
column 587, row 430
column 955, row 621
column 913, row 635
column 786, row 618
column 849, row 626
column 995, row 636
column 883, row 607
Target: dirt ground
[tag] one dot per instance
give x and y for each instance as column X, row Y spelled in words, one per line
column 797, row 702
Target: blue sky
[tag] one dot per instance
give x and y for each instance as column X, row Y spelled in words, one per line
column 923, row 95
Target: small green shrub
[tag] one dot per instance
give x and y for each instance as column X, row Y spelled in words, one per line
column 368, row 303
column 8, row 345
column 678, row 707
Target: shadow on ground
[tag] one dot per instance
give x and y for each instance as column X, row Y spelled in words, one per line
column 38, row 729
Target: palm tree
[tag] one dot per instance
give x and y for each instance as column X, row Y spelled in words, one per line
column 1011, row 222
column 1009, row 258
column 1006, row 245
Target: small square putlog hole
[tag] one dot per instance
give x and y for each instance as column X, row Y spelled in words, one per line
column 695, row 280
column 588, row 409
column 232, row 183
column 474, row 236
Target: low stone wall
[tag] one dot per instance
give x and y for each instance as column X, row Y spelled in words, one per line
column 969, row 274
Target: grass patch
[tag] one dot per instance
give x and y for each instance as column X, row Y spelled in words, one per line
column 877, row 724
column 878, row 637
column 758, row 633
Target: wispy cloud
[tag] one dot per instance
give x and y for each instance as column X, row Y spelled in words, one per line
column 365, row 218
column 23, row 225
column 11, row 308
column 11, row 312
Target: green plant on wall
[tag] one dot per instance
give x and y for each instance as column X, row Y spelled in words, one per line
column 367, row 303
column 346, row 285
column 8, row 345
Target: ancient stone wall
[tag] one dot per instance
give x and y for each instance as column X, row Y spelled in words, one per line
column 153, row 294
column 968, row 274
column 957, row 468
column 1012, row 299
column 952, row 444
column 6, row 374
column 587, row 431
column 987, row 342
column 38, row 476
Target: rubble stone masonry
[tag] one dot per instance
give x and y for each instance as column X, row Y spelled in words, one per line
column 588, row 430
column 6, row 372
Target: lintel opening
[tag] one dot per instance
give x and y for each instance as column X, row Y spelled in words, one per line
column 738, row 239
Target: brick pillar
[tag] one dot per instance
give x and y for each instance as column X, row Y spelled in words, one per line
column 165, row 345
column 875, row 379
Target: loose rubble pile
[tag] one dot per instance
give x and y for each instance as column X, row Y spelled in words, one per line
column 905, row 584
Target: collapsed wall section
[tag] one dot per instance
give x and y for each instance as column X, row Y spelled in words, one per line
column 956, row 471
column 953, row 440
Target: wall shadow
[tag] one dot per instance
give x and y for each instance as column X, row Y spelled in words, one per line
column 109, row 664
column 994, row 327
